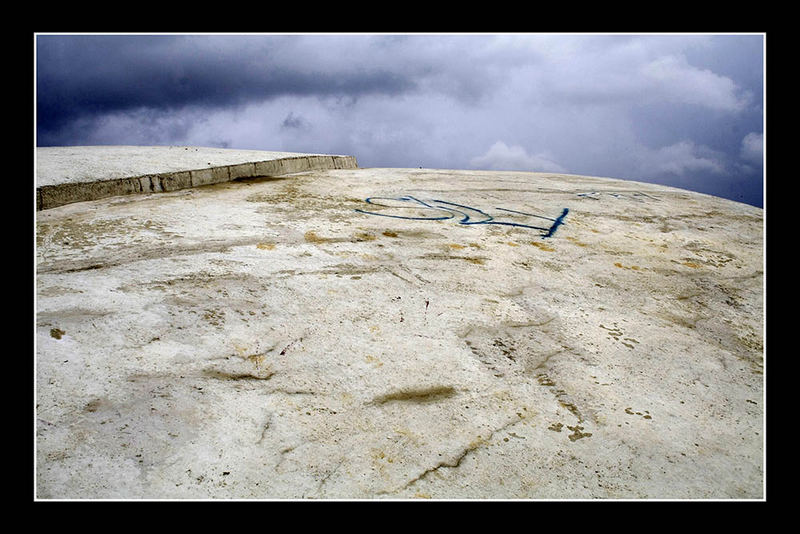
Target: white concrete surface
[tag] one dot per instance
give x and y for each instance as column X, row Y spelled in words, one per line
column 283, row 338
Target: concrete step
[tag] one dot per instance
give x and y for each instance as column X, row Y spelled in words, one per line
column 76, row 174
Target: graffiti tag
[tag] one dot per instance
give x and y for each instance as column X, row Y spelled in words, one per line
column 634, row 195
column 444, row 210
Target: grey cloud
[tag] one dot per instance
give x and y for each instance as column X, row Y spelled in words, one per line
column 753, row 148
column 668, row 108
column 92, row 75
column 293, row 121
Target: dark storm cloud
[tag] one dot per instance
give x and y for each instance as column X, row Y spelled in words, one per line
column 681, row 110
column 90, row 75
column 294, row 121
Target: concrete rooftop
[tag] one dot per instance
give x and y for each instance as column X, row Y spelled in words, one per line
column 325, row 331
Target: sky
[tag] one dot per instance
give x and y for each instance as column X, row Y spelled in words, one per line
column 683, row 110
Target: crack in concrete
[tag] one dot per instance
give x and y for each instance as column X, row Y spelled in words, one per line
column 264, row 429
column 454, row 463
column 226, row 375
column 57, row 266
column 327, row 476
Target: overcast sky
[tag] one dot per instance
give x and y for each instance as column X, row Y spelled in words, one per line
column 680, row 110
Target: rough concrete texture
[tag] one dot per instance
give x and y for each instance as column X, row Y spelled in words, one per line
column 284, row 338
column 77, row 174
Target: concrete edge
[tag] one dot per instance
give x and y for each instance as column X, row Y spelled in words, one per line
column 52, row 196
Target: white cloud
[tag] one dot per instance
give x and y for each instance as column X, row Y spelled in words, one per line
column 680, row 159
column 753, row 147
column 625, row 71
column 674, row 79
column 514, row 158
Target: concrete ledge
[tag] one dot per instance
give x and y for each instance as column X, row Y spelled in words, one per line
column 96, row 187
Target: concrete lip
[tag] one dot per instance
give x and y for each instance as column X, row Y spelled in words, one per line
column 77, row 174
column 401, row 334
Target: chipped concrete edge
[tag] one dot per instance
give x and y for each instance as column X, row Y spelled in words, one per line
column 52, row 196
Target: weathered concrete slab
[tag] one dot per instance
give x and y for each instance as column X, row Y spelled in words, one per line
column 77, row 174
column 286, row 338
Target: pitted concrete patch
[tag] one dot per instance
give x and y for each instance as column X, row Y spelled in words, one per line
column 269, row 339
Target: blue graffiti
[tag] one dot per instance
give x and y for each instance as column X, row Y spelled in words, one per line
column 469, row 215
column 633, row 195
